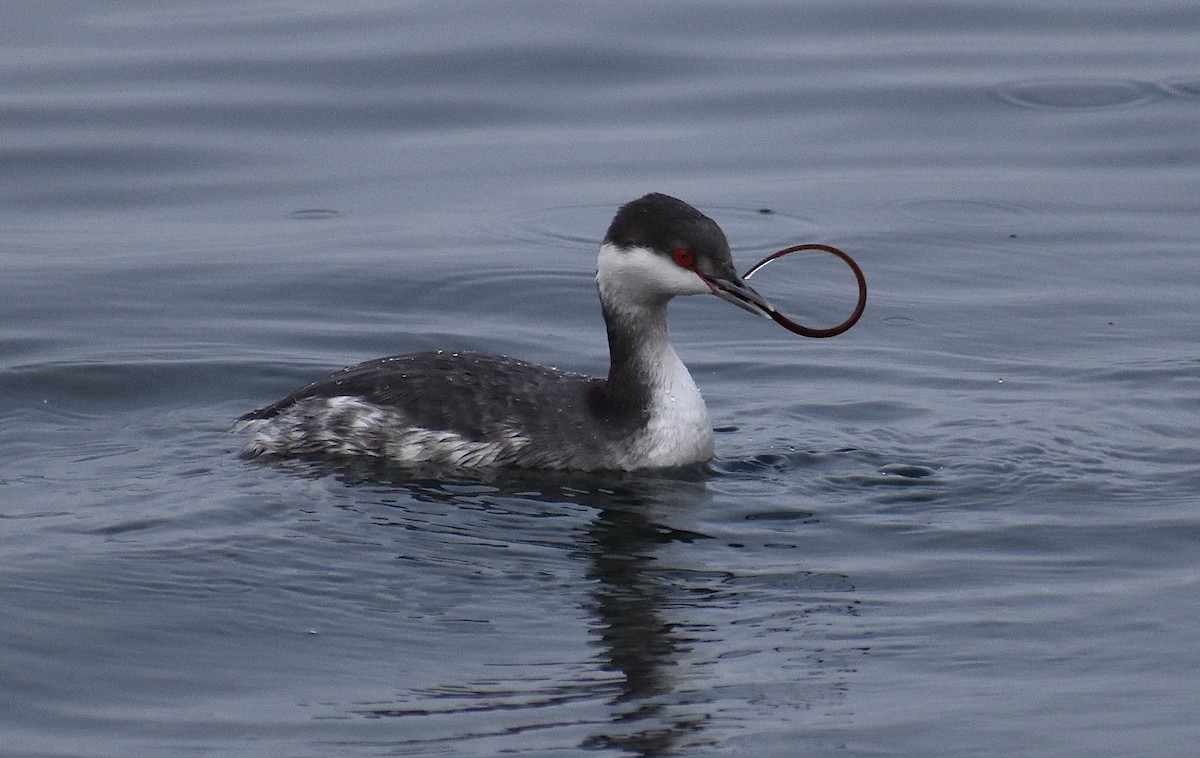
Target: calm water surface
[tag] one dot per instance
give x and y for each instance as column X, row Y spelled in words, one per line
column 967, row 527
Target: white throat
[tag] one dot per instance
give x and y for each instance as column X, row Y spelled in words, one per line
column 679, row 429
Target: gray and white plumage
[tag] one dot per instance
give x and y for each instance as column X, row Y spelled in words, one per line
column 468, row 409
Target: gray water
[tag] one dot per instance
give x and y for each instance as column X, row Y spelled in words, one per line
column 967, row 527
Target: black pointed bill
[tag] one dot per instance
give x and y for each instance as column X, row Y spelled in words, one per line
column 740, row 294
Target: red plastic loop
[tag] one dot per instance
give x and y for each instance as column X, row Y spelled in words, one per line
column 806, row 331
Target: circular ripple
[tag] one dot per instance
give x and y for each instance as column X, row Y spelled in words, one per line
column 1077, row 94
column 313, row 214
column 574, row 224
column 1189, row 87
column 584, row 226
column 980, row 213
column 763, row 228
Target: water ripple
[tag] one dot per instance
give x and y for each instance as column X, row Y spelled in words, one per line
column 1188, row 86
column 1078, row 94
column 313, row 214
column 972, row 213
column 583, row 225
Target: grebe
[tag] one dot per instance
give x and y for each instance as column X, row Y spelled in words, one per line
column 467, row 409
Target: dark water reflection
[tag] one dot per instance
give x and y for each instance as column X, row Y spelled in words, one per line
column 649, row 617
column 634, row 605
column 640, row 641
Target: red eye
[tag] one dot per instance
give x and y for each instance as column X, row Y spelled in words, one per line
column 684, row 257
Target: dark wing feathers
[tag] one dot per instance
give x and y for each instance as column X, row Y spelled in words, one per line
column 467, row 393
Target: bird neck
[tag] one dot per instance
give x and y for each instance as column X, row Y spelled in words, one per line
column 638, row 343
column 648, row 388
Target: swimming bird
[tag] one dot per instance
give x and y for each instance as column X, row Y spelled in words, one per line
column 470, row 409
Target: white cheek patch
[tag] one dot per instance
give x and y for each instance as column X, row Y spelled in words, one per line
column 638, row 274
